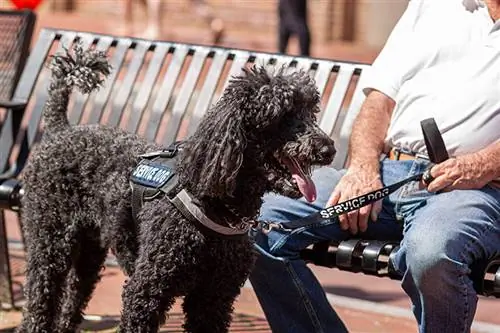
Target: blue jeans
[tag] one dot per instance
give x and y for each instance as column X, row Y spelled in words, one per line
column 442, row 236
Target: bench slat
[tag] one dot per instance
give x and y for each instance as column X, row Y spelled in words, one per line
column 292, row 64
column 303, row 64
column 122, row 97
column 240, row 60
column 79, row 99
column 322, row 75
column 42, row 95
column 207, row 92
column 22, row 93
column 147, row 86
column 342, row 143
column 333, row 108
column 103, row 95
column 283, row 61
column 184, row 96
column 165, row 91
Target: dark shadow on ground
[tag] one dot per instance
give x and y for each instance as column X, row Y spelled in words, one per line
column 242, row 323
column 362, row 294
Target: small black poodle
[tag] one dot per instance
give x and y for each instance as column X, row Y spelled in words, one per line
column 260, row 136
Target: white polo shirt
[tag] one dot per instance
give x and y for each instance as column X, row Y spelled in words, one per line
column 442, row 60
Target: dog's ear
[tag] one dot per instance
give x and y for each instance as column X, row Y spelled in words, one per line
column 214, row 155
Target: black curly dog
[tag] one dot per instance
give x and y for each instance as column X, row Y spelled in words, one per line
column 260, row 136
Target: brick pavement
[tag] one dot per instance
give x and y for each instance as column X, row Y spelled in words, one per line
column 104, row 308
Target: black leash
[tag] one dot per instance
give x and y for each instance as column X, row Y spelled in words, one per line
column 437, row 153
column 343, row 207
column 436, row 150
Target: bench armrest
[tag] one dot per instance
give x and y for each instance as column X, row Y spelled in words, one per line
column 13, row 105
column 11, row 192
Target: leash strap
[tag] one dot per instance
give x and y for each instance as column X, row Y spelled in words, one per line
column 436, row 148
column 346, row 206
column 437, row 153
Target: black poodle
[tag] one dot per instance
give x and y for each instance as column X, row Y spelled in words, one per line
column 260, row 136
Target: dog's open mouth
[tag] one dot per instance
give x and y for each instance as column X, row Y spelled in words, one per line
column 301, row 176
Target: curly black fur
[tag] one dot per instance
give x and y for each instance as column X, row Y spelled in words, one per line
column 77, row 201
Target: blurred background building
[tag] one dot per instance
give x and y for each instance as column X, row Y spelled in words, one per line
column 340, row 29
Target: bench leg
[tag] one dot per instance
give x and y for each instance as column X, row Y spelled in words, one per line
column 6, row 297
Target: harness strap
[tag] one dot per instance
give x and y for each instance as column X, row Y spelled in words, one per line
column 184, row 203
column 137, row 195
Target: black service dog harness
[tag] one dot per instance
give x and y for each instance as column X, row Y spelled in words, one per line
column 155, row 176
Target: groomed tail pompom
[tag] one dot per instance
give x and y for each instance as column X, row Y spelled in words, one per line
column 83, row 69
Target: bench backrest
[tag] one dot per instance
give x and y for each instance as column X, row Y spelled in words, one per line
column 161, row 90
column 16, row 29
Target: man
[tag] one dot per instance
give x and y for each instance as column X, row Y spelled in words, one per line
column 442, row 60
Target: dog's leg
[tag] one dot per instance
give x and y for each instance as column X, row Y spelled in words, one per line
column 145, row 303
column 81, row 281
column 209, row 306
column 49, row 252
column 123, row 241
column 163, row 269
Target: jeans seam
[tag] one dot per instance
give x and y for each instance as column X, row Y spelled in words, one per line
column 306, row 301
column 279, row 243
column 465, row 293
column 404, row 190
column 467, row 249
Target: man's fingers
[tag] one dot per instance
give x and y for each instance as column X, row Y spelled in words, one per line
column 376, row 209
column 344, row 222
column 364, row 214
column 334, row 198
column 353, row 221
column 439, row 183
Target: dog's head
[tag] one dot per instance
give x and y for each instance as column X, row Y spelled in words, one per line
column 260, row 136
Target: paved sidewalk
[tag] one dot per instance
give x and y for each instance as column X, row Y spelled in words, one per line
column 104, row 309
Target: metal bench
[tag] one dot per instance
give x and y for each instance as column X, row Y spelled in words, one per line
column 16, row 28
column 160, row 90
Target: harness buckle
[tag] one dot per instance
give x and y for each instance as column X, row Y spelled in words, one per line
column 169, row 152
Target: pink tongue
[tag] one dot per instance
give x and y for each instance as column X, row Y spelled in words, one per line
column 306, row 186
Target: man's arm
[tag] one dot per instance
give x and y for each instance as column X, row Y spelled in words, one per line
column 369, row 131
column 466, row 172
column 380, row 83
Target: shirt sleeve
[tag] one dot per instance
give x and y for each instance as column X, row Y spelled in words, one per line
column 395, row 59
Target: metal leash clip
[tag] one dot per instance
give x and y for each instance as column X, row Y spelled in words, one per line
column 267, row 227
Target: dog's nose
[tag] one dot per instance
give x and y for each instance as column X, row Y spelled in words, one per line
column 327, row 152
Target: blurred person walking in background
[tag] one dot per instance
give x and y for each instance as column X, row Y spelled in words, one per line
column 293, row 21
column 155, row 10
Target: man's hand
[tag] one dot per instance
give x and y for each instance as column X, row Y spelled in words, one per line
column 357, row 182
column 466, row 172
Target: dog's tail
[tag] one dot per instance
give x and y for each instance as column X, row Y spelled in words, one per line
column 83, row 69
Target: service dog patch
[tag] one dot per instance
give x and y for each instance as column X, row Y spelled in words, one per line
column 151, row 174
